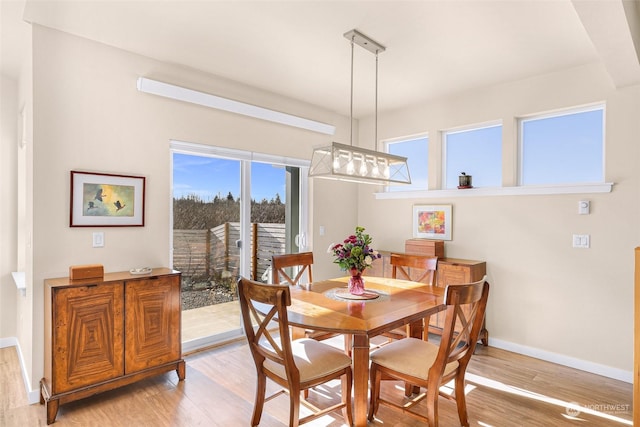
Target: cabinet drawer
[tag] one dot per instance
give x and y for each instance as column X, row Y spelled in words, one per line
column 453, row 274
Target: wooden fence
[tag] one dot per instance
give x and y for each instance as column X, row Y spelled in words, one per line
column 203, row 255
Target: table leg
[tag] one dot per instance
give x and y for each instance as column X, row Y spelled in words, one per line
column 360, row 355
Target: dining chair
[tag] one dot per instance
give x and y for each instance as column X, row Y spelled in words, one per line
column 281, row 263
column 295, row 365
column 417, row 268
column 283, row 267
column 425, row 364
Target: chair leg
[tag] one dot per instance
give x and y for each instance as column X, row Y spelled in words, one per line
column 461, row 400
column 260, row 395
column 294, row 406
column 374, row 379
column 347, row 412
column 348, row 344
column 432, row 403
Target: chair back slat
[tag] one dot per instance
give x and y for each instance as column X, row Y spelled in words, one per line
column 262, row 305
column 403, row 265
column 279, row 264
column 466, row 306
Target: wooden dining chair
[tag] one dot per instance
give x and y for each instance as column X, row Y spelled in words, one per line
column 417, row 268
column 285, row 266
column 425, row 364
column 295, row 365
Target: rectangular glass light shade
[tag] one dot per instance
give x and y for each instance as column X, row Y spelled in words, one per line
column 348, row 163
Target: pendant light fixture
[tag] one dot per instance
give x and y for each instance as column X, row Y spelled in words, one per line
column 352, row 163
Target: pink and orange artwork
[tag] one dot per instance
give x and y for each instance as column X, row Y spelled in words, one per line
column 432, row 222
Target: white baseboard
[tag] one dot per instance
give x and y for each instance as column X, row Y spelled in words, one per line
column 33, row 396
column 560, row 359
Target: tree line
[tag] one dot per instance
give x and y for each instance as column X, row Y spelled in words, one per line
column 193, row 213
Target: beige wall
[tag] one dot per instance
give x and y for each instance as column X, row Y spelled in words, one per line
column 573, row 306
column 89, row 116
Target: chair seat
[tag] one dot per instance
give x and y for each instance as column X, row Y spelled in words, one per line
column 410, row 356
column 313, row 359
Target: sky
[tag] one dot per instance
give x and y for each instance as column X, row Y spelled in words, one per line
column 207, row 177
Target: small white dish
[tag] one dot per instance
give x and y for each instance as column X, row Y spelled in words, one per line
column 141, row 270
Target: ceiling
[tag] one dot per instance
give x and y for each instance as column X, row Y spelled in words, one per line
column 434, row 48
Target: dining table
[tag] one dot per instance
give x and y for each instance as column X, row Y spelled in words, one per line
column 387, row 304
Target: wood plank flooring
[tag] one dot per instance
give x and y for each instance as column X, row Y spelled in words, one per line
column 504, row 389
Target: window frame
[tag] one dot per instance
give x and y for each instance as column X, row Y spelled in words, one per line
column 600, row 106
column 468, row 128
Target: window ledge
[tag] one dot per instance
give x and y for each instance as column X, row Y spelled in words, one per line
column 497, row 191
column 21, row 284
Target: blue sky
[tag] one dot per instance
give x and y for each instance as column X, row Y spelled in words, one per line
column 207, row 177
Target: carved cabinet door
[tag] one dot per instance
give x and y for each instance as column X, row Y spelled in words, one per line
column 152, row 322
column 87, row 343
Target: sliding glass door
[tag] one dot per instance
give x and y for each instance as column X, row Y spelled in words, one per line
column 231, row 212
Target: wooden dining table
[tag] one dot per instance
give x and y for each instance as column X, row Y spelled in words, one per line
column 325, row 306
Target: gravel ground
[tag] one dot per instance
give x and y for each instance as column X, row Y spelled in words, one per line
column 195, row 298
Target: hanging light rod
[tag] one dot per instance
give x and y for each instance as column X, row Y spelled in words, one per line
column 352, row 163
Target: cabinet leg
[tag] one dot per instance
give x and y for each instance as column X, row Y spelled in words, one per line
column 484, row 337
column 181, row 370
column 52, row 410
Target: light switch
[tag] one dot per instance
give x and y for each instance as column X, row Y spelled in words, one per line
column 581, row 241
column 98, row 240
column 321, row 231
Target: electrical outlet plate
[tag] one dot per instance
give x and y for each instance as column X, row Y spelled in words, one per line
column 581, row 241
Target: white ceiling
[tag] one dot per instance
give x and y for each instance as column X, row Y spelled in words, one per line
column 296, row 48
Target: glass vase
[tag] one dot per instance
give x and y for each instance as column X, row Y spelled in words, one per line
column 356, row 282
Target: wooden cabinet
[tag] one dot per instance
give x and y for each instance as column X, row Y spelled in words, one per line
column 449, row 271
column 105, row 333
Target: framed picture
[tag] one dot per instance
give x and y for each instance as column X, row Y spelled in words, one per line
column 106, row 200
column 432, row 222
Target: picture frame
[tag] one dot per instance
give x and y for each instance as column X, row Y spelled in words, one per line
column 432, row 222
column 106, row 200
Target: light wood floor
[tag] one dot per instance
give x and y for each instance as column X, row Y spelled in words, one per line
column 504, row 389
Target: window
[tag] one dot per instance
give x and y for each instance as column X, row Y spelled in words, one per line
column 416, row 150
column 476, row 152
column 564, row 148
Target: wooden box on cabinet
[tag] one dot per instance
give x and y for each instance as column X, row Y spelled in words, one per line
column 109, row 332
column 424, row 247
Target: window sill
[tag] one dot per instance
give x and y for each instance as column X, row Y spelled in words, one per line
column 501, row 191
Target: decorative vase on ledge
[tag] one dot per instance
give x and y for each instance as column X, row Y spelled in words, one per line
column 356, row 282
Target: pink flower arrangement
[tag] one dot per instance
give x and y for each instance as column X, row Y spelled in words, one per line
column 355, row 252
